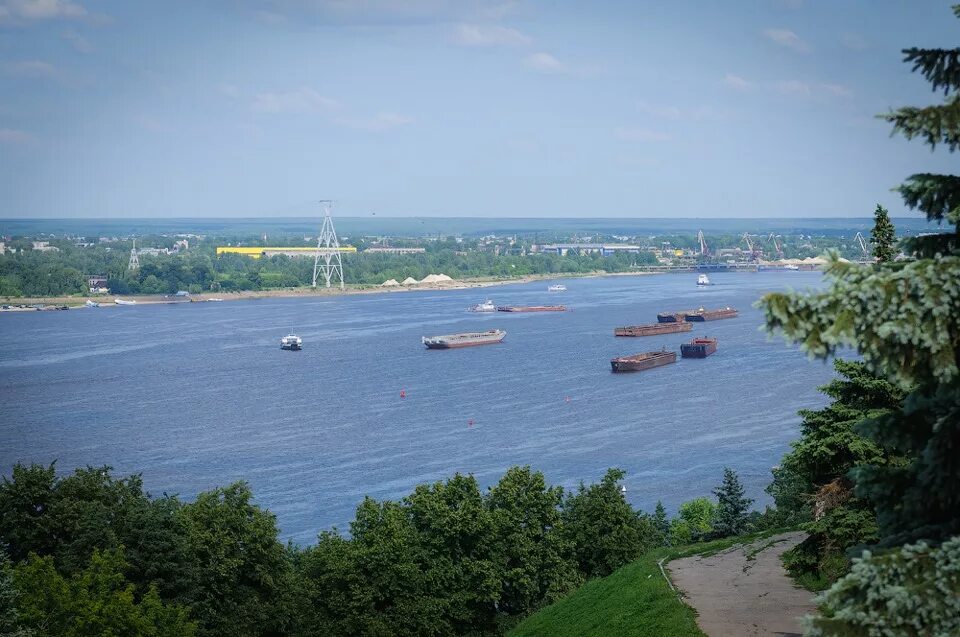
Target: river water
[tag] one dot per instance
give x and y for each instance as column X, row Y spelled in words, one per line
column 198, row 395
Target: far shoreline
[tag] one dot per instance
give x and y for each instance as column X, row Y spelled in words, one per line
column 107, row 300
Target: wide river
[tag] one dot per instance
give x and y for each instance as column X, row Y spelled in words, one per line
column 196, row 396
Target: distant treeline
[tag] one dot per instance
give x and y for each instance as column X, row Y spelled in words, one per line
column 89, row 553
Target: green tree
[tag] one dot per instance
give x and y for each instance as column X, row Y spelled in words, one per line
column 94, row 601
column 241, row 568
column 10, row 625
column 25, row 500
column 730, row 517
column 694, row 521
column 603, row 528
column 661, row 524
column 884, row 236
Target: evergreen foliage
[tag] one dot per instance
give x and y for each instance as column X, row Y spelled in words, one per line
column 661, row 524
column 730, row 517
column 10, row 625
column 884, row 236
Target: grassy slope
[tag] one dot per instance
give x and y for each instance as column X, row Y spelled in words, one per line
column 635, row 601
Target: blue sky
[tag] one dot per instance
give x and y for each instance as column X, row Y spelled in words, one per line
column 255, row 108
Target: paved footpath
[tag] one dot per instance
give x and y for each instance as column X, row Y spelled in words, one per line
column 744, row 590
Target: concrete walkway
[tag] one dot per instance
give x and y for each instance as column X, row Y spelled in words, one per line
column 744, row 591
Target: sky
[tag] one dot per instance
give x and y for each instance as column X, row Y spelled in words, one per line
column 259, row 108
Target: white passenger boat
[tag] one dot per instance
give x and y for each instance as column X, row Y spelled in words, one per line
column 291, row 342
column 703, row 279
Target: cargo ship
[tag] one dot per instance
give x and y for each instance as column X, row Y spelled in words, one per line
column 466, row 339
column 653, row 329
column 673, row 317
column 711, row 315
column 698, row 348
column 531, row 308
column 641, row 362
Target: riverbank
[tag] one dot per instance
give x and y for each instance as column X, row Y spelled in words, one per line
column 107, row 300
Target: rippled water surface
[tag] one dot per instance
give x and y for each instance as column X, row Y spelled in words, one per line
column 198, row 395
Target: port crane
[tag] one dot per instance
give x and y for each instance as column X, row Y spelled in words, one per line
column 754, row 250
column 704, row 251
column 863, row 245
column 777, row 247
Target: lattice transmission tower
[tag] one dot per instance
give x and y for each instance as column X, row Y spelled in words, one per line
column 134, row 263
column 327, row 259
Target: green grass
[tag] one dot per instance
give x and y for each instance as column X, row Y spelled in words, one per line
column 635, row 601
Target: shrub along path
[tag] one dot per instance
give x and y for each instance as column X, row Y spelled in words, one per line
column 744, row 590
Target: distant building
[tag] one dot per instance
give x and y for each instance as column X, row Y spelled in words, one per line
column 97, row 284
column 386, row 250
column 605, row 249
column 44, row 246
column 257, row 252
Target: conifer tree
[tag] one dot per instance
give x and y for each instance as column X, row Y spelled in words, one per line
column 661, row 523
column 730, row 517
column 905, row 323
column 884, row 236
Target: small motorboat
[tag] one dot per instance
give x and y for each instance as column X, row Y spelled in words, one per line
column 559, row 287
column 703, row 279
column 791, row 266
column 486, row 306
column 124, row 302
column 291, row 342
column 90, row 303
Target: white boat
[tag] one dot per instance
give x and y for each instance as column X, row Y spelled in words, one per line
column 291, row 342
column 791, row 266
column 703, row 279
column 214, row 300
column 90, row 303
column 559, row 287
column 124, row 302
column 486, row 306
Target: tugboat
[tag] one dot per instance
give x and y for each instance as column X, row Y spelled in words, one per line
column 467, row 339
column 703, row 279
column 486, row 306
column 559, row 287
column 291, row 342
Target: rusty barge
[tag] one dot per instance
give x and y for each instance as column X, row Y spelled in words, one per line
column 467, row 339
column 701, row 314
column 644, row 361
column 653, row 329
column 531, row 308
column 698, row 348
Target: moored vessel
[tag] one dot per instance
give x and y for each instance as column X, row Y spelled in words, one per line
column 701, row 314
column 90, row 303
column 486, row 306
column 291, row 342
column 672, row 317
column 698, row 348
column 124, row 302
column 465, row 339
column 703, row 279
column 644, row 361
column 531, row 308
column 557, row 288
column 652, row 329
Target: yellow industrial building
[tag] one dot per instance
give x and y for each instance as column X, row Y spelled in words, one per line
column 256, row 252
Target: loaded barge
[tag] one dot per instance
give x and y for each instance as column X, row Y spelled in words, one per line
column 653, row 329
column 698, row 348
column 711, row 315
column 466, row 339
column 640, row 362
column 531, row 308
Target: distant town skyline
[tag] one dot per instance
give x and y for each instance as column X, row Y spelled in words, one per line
column 435, row 108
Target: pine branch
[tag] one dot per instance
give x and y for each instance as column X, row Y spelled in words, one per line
column 937, row 196
column 929, row 246
column 934, row 124
column 940, row 67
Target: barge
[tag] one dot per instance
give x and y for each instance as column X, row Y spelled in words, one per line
column 531, row 308
column 653, row 329
column 466, row 339
column 673, row 317
column 701, row 314
column 644, row 361
column 698, row 348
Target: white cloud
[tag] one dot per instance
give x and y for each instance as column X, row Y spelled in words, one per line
column 544, row 63
column 792, row 87
column 489, row 35
column 13, row 10
column 302, row 100
column 79, row 43
column 640, row 135
column 787, row 38
column 737, row 82
column 379, row 122
column 854, row 41
column 838, row 90
column 11, row 136
column 30, row 68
